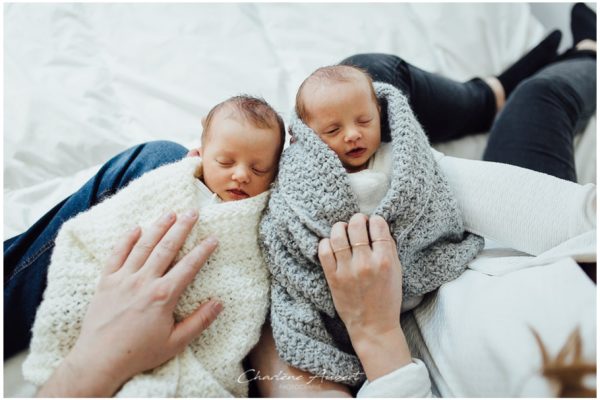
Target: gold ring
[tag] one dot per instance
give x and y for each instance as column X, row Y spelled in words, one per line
column 381, row 240
column 361, row 244
column 343, row 248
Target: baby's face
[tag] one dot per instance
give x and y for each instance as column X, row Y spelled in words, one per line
column 346, row 118
column 239, row 160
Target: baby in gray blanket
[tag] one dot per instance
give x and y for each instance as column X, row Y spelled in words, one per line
column 337, row 166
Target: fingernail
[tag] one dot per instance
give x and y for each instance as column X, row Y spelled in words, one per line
column 168, row 216
column 211, row 241
column 191, row 214
column 134, row 230
column 216, row 306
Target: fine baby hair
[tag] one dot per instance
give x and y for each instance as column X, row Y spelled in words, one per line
column 330, row 74
column 254, row 110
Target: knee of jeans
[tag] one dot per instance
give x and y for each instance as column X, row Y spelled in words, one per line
column 555, row 89
column 162, row 152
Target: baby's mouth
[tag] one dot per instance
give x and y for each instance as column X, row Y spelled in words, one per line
column 238, row 193
column 356, row 152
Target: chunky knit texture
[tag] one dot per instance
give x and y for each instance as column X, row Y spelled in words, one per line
column 312, row 192
column 235, row 274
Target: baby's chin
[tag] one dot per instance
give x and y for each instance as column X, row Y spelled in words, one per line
column 355, row 168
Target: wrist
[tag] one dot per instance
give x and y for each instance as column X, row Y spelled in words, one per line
column 73, row 379
column 92, row 375
column 365, row 333
column 382, row 351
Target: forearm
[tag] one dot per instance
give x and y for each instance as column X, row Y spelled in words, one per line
column 380, row 353
column 275, row 378
column 73, row 379
column 526, row 210
column 390, row 369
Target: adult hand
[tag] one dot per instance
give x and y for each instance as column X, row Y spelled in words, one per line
column 364, row 274
column 129, row 326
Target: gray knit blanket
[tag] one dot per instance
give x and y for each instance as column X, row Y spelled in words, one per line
column 311, row 193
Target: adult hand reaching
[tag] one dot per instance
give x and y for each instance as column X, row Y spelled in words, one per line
column 364, row 274
column 129, row 326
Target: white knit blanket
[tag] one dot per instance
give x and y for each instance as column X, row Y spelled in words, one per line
column 235, row 274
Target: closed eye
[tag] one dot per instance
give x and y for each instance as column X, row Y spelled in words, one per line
column 331, row 131
column 224, row 163
column 259, row 171
column 365, row 122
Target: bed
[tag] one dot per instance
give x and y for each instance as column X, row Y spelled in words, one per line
column 86, row 81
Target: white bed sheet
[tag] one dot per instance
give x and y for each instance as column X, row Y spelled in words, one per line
column 83, row 81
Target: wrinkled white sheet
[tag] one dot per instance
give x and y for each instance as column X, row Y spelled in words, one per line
column 85, row 81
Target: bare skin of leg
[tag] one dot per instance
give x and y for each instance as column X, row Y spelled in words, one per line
column 498, row 90
column 278, row 379
column 586, row 44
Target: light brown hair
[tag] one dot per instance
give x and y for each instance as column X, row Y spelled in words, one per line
column 254, row 110
column 332, row 73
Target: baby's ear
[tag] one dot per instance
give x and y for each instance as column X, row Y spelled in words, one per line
column 194, row 152
column 203, row 121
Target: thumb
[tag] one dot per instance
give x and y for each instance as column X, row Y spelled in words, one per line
column 196, row 323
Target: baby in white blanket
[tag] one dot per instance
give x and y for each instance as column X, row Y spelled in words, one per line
column 241, row 144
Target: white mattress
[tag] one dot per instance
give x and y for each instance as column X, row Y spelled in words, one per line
column 83, row 81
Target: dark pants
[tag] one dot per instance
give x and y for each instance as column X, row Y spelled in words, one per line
column 534, row 130
column 27, row 256
column 543, row 113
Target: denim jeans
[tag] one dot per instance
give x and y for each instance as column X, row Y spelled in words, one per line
column 27, row 256
column 534, row 130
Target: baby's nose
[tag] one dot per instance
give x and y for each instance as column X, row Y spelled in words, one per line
column 241, row 174
column 352, row 135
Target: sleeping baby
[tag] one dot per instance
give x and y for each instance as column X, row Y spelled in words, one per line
column 339, row 166
column 242, row 141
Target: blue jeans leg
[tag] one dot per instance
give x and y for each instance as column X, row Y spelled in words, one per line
column 27, row 256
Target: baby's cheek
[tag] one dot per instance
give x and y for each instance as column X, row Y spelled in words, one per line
column 336, row 148
column 263, row 184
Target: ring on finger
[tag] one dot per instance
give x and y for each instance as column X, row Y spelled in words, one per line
column 361, row 244
column 381, row 240
column 341, row 249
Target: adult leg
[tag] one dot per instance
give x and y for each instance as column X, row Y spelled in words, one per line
column 535, row 129
column 27, row 256
column 449, row 109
